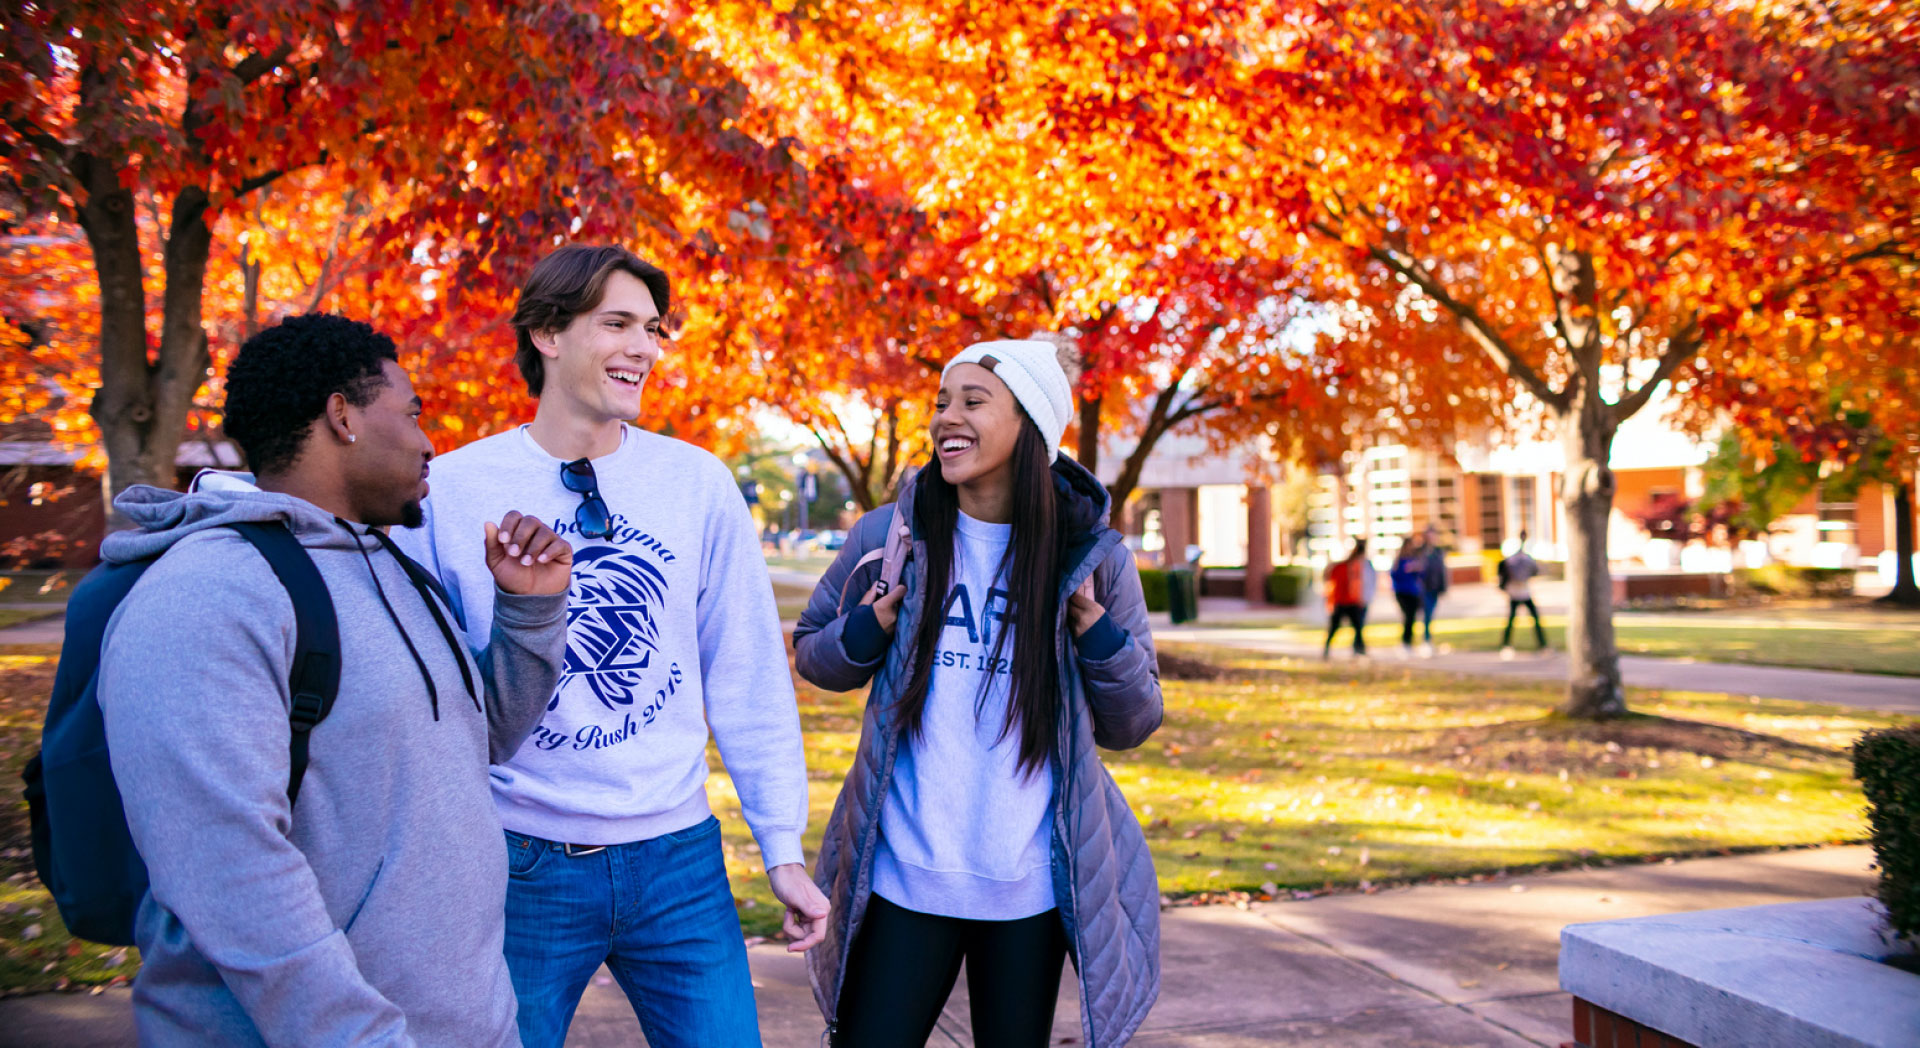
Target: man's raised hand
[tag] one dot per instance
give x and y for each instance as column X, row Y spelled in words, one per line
column 526, row 557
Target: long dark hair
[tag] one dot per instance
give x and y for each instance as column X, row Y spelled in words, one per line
column 1032, row 574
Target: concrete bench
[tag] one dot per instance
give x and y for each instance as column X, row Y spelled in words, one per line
column 1806, row 974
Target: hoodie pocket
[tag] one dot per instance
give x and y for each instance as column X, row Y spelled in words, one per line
column 364, row 896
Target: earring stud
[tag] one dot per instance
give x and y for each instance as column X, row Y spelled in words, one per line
column 351, row 437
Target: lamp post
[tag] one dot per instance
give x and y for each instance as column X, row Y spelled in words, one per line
column 802, row 492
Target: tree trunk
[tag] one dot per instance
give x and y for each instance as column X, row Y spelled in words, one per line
column 1905, row 592
column 142, row 405
column 1089, row 450
column 1586, row 492
column 123, row 405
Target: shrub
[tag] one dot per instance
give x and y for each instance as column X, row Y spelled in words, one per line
column 1887, row 762
column 1783, row 580
column 1288, row 584
column 1153, row 581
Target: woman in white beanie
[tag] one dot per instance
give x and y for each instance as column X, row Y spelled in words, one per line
column 978, row 825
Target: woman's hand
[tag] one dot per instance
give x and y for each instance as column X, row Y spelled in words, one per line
column 886, row 608
column 1082, row 610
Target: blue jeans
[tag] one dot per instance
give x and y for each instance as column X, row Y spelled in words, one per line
column 658, row 913
column 1427, row 601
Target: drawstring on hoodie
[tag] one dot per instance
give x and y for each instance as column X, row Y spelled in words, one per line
column 433, row 693
column 459, row 656
column 427, row 589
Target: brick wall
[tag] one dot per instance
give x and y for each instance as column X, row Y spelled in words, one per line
column 1634, row 488
column 1595, row 1027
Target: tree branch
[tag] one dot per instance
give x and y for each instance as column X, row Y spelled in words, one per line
column 256, row 65
column 261, row 181
column 855, row 482
column 1477, row 328
column 1559, row 307
column 1682, row 344
column 893, row 444
column 56, row 153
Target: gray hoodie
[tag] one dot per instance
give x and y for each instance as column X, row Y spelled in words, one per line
column 371, row 913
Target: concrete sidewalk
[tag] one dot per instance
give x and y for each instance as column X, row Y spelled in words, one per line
column 49, row 630
column 1868, row 691
column 1452, row 965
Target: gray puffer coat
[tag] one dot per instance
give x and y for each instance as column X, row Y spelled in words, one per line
column 1103, row 875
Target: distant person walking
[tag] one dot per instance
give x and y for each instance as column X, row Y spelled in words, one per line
column 1349, row 587
column 1516, row 577
column 1433, row 582
column 1409, row 584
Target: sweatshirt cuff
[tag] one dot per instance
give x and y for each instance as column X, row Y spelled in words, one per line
column 862, row 636
column 1102, row 641
column 528, row 609
column 780, row 848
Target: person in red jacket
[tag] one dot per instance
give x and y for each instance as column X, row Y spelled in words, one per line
column 1350, row 585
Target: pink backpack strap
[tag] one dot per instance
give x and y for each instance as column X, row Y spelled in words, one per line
column 892, row 557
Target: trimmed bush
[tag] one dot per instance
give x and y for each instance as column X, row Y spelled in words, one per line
column 1783, row 580
column 1887, row 762
column 1154, row 582
column 1289, row 584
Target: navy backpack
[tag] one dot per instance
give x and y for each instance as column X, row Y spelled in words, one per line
column 82, row 848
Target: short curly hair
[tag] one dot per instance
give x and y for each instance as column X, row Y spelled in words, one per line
column 567, row 283
column 281, row 379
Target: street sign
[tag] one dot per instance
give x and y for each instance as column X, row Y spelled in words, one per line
column 809, row 487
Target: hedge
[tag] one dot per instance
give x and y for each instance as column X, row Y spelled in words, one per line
column 1782, row 580
column 1288, row 584
column 1887, row 762
column 1153, row 581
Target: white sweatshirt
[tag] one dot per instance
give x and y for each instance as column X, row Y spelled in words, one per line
column 672, row 628
column 963, row 832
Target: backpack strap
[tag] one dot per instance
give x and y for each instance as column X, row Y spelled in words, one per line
column 315, row 679
column 892, row 557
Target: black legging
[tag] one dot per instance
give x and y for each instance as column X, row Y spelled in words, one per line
column 1513, row 608
column 903, row 967
column 1356, row 614
column 1409, row 613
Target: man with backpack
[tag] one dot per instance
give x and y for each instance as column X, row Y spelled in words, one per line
column 614, row 853
column 1516, row 575
column 339, row 882
column 1350, row 585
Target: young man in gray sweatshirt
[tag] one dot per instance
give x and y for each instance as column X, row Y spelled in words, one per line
column 613, row 852
column 369, row 912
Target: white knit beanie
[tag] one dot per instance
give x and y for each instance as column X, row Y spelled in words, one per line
column 1032, row 369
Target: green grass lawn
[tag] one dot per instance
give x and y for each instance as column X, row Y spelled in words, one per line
column 1892, row 647
column 1283, row 775
column 813, row 562
column 1271, row 775
column 17, row 616
column 791, row 599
